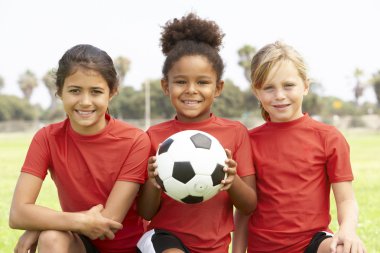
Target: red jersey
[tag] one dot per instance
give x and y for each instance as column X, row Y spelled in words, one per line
column 296, row 162
column 85, row 168
column 206, row 226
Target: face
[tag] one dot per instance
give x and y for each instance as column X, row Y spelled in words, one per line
column 85, row 96
column 282, row 93
column 192, row 86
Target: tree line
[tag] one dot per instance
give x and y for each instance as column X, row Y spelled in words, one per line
column 233, row 103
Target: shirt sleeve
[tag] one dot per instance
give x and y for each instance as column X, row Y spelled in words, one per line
column 135, row 165
column 338, row 157
column 38, row 156
column 243, row 153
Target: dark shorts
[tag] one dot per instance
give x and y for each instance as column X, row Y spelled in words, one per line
column 316, row 241
column 90, row 248
column 158, row 240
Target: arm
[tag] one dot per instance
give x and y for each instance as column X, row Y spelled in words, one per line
column 24, row 214
column 242, row 191
column 240, row 236
column 120, row 200
column 150, row 197
column 347, row 210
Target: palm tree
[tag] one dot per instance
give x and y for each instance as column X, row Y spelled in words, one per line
column 376, row 86
column 122, row 67
column 49, row 81
column 27, row 83
column 359, row 86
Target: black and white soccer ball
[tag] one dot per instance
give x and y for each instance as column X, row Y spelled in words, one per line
column 190, row 166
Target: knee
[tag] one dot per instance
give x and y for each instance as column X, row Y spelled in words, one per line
column 52, row 241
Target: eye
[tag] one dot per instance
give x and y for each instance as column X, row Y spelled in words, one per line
column 97, row 92
column 268, row 87
column 74, row 91
column 203, row 82
column 180, row 82
column 289, row 85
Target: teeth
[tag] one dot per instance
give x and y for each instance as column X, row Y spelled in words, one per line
column 84, row 113
column 190, row 102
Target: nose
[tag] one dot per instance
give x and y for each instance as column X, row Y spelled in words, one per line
column 85, row 99
column 280, row 94
column 191, row 88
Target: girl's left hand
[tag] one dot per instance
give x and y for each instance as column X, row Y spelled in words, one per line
column 349, row 242
column 230, row 169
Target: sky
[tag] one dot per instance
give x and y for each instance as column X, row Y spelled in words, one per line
column 334, row 36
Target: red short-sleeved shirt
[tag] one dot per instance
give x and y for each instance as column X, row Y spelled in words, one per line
column 85, row 168
column 295, row 162
column 203, row 227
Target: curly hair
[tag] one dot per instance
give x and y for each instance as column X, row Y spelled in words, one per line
column 191, row 35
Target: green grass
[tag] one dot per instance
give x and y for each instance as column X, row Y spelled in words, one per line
column 365, row 158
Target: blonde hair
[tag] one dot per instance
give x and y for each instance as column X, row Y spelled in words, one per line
column 267, row 57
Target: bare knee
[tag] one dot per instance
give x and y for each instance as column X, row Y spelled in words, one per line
column 173, row 250
column 54, row 241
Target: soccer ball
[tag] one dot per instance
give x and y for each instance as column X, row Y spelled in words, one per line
column 190, row 166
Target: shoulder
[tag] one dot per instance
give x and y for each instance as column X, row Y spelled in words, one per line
column 322, row 129
column 123, row 130
column 161, row 127
column 228, row 123
column 257, row 129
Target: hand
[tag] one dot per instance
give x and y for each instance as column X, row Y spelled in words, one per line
column 152, row 171
column 97, row 226
column 27, row 242
column 230, row 170
column 348, row 241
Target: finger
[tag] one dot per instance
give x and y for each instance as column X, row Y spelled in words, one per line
column 228, row 153
column 347, row 246
column 334, row 244
column 354, row 247
column 109, row 234
column 115, row 225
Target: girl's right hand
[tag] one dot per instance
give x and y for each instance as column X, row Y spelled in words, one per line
column 27, row 242
column 97, row 226
column 152, row 171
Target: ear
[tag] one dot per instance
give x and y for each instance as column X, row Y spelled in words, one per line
column 307, row 87
column 114, row 93
column 165, row 86
column 219, row 88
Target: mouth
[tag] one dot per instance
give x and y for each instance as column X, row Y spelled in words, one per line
column 281, row 106
column 191, row 102
column 84, row 113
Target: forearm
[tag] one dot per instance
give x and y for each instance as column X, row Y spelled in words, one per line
column 149, row 201
column 240, row 235
column 243, row 194
column 34, row 217
column 348, row 213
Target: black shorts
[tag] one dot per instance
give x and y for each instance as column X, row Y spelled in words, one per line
column 316, row 241
column 90, row 247
column 158, row 240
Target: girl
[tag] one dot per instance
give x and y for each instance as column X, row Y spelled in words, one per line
column 96, row 162
column 297, row 160
column 192, row 79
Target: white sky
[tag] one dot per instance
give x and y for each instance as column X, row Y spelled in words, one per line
column 334, row 36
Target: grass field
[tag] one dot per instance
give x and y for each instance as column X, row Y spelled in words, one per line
column 365, row 157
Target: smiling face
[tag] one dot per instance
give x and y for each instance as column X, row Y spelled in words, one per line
column 281, row 94
column 85, row 96
column 192, row 86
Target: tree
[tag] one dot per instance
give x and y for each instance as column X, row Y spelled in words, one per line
column 49, row 81
column 230, row 103
column 312, row 102
column 376, row 86
column 160, row 104
column 15, row 108
column 27, row 83
column 359, row 86
column 246, row 54
column 245, row 57
column 128, row 104
column 122, row 65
